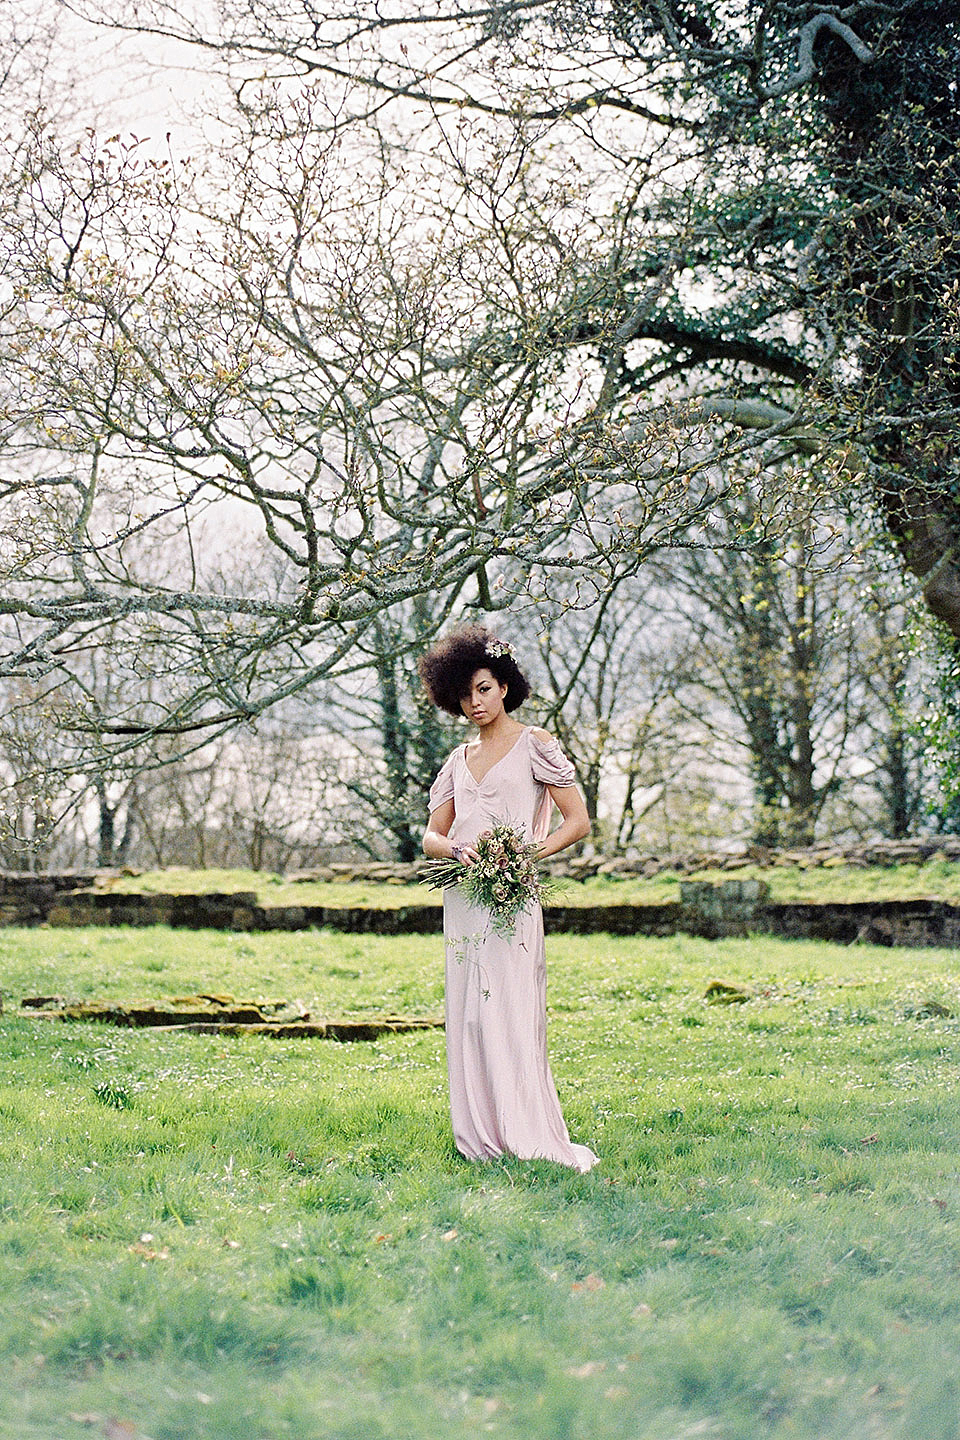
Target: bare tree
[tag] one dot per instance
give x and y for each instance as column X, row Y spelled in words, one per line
column 800, row 657
column 446, row 317
column 314, row 374
column 603, row 676
column 34, row 795
column 812, row 151
column 894, row 646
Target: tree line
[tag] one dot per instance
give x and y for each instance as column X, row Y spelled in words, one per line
column 747, row 698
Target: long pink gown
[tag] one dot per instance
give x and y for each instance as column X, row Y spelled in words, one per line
column 502, row 1097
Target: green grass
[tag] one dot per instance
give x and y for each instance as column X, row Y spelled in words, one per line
column 936, row 879
column 269, row 1239
column 939, row 879
column 271, row 889
column 331, row 973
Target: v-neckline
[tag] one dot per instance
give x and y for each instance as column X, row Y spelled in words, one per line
column 503, row 757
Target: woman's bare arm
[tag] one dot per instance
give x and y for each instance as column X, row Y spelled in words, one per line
column 436, row 841
column 575, row 823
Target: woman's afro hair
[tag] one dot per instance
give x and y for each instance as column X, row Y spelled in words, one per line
column 448, row 667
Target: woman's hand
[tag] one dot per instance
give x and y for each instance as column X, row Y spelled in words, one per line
column 436, row 838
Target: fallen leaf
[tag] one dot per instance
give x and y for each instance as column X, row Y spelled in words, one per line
column 231, row 1244
column 870, row 1140
column 583, row 1372
column 120, row 1430
column 642, row 1311
column 940, row 1204
column 669, row 1244
column 383, row 1237
column 449, row 1235
column 593, row 1283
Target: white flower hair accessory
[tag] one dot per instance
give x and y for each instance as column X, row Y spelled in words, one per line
column 501, row 649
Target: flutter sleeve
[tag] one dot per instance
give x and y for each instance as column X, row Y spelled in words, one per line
column 442, row 787
column 550, row 765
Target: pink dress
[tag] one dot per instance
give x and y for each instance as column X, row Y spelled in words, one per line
column 502, row 1097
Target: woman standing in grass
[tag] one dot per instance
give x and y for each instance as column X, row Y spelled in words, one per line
column 502, row 1097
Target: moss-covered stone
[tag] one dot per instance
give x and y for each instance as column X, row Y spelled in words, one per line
column 222, row 1015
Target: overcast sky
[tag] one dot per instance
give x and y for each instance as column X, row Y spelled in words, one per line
column 130, row 83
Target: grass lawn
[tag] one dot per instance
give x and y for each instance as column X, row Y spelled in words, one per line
column 251, row 1239
column 938, row 879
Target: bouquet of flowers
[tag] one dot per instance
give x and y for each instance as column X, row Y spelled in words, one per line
column 503, row 879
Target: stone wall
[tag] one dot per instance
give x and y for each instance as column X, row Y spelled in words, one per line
column 731, row 907
column 241, row 911
column 860, row 854
column 872, row 922
column 235, row 911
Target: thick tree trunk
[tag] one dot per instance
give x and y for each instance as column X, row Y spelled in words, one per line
column 105, row 837
column 895, row 137
column 926, row 530
column 899, row 796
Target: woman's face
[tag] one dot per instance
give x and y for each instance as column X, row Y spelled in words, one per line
column 483, row 702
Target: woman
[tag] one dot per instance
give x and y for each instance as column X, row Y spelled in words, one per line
column 502, row 1097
